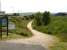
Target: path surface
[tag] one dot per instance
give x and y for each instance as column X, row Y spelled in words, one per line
column 39, row 41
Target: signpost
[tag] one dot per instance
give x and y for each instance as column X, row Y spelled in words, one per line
column 1, row 28
column 3, row 25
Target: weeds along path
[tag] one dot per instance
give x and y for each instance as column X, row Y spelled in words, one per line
column 38, row 38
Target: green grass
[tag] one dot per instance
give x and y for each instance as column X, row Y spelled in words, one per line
column 58, row 28
column 59, row 46
column 11, row 36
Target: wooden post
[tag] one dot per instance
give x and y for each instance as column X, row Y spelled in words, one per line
column 6, row 17
column 1, row 28
column 7, row 25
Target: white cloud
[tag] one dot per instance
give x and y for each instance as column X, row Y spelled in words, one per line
column 34, row 5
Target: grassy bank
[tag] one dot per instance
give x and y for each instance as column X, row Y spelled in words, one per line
column 21, row 26
column 58, row 28
column 21, row 29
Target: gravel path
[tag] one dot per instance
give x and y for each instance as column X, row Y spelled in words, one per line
column 39, row 41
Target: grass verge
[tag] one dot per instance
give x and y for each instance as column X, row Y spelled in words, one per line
column 58, row 28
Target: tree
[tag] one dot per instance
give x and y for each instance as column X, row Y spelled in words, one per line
column 37, row 18
column 15, row 14
column 46, row 18
column 31, row 16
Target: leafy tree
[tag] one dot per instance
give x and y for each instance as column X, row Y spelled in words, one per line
column 37, row 18
column 46, row 18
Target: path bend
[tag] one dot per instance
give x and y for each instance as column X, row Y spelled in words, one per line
column 38, row 39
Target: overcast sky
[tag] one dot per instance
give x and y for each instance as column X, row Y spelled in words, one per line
column 33, row 5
